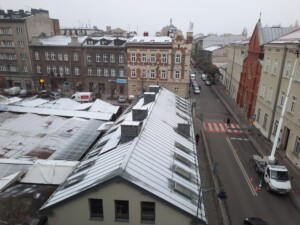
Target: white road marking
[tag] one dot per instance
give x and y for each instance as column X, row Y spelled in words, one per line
column 241, row 167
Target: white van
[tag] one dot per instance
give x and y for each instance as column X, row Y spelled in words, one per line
column 12, row 91
column 84, row 96
column 192, row 76
column 277, row 179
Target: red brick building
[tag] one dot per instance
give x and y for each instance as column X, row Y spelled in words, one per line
column 252, row 66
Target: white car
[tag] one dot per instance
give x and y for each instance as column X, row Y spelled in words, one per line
column 207, row 83
column 204, row 77
column 197, row 90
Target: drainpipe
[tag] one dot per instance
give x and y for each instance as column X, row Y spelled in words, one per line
column 277, row 93
column 231, row 70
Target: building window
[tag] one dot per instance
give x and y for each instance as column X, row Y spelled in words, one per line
column 144, row 57
column 53, row 56
column 105, row 58
column 23, row 56
column 99, row 72
column 275, row 127
column 5, row 30
column 133, row 73
column 164, row 58
column 177, row 75
column 75, row 57
column 121, row 58
column 98, row 58
column 113, row 72
column 147, row 212
column 144, row 73
column 267, row 65
column 133, row 57
column 47, row 55
column 270, row 93
column 297, row 73
column 48, row 70
column 122, row 210
column 96, row 209
column 25, row 69
column 178, row 58
column 67, row 71
column 54, row 70
column 2, row 68
column 61, row 70
column 293, row 104
column 153, row 58
column 88, row 58
column 90, row 71
column 274, row 69
column 121, row 73
column 12, row 69
column 287, row 69
column 258, row 115
column 112, row 58
column 38, row 69
column 265, row 121
column 152, row 74
column 163, row 74
column 282, row 97
column 262, row 90
column 21, row 44
column 66, row 57
column 76, row 71
column 106, row 72
column 7, row 44
column 297, row 147
column 19, row 30
column 59, row 57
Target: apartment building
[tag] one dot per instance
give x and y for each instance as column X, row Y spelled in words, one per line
column 250, row 76
column 281, row 61
column 162, row 61
column 238, row 51
column 16, row 31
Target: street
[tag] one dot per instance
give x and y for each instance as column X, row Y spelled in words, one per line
column 230, row 150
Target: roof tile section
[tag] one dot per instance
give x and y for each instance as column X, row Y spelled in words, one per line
column 158, row 158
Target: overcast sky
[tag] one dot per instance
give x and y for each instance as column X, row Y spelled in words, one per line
column 208, row 16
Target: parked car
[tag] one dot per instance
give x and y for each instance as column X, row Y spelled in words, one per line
column 131, row 98
column 55, row 95
column 84, row 97
column 197, row 90
column 23, row 93
column 254, row 221
column 43, row 94
column 204, row 77
column 12, row 91
column 121, row 98
column 207, row 83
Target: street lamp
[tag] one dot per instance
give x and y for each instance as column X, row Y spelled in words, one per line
column 272, row 156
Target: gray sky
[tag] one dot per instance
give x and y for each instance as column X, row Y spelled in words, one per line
column 208, row 16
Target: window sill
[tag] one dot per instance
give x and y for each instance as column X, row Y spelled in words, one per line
column 96, row 218
column 147, row 222
column 122, row 220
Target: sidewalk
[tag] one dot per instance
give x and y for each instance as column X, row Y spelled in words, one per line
column 262, row 146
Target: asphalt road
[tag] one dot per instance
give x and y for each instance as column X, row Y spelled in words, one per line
column 231, row 153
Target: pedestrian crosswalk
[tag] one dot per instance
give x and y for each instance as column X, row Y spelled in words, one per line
column 221, row 127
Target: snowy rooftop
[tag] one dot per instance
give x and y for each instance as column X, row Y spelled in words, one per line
column 149, row 39
column 293, row 37
column 212, row 48
column 60, row 40
column 160, row 160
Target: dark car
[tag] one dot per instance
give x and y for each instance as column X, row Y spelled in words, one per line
column 43, row 94
column 254, row 221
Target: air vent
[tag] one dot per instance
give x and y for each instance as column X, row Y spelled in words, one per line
column 139, row 114
column 154, row 88
column 130, row 130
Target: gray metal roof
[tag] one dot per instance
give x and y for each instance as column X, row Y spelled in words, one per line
column 159, row 160
column 268, row 34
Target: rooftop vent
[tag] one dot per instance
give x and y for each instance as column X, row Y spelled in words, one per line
column 184, row 129
column 74, row 41
column 154, row 88
column 130, row 130
column 149, row 97
column 139, row 114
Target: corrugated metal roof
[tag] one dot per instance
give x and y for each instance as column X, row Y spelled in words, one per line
column 268, row 34
column 150, row 39
column 293, row 37
column 147, row 160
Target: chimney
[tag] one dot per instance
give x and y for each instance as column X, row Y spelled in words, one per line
column 184, row 129
column 154, row 88
column 2, row 12
column 74, row 41
column 149, row 97
column 146, row 34
column 130, row 130
column 139, row 114
column 35, row 41
column 21, row 11
column 10, row 12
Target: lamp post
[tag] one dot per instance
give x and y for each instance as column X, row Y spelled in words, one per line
column 9, row 76
column 272, row 155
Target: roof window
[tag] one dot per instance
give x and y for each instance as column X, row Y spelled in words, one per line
column 183, row 173
column 72, row 181
column 182, row 147
column 183, row 159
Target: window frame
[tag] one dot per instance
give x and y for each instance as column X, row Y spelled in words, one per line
column 95, row 213
column 121, row 216
column 178, row 58
column 164, row 58
column 148, row 212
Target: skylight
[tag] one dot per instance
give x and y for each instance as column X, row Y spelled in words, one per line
column 72, row 181
column 183, row 160
column 183, row 173
column 183, row 190
column 182, row 147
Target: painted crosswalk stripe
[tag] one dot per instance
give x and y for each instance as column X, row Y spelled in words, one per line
column 216, row 127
